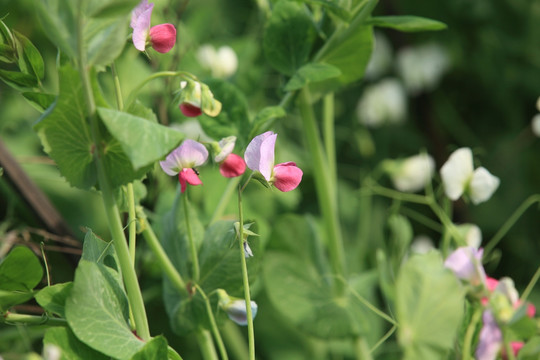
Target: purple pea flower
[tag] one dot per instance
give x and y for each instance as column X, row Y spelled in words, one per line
column 490, row 340
column 183, row 160
column 466, row 263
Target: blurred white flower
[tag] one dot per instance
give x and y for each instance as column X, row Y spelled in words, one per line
column 383, row 102
column 222, row 63
column 471, row 233
column 422, row 244
column 51, row 352
column 458, row 178
column 535, row 125
column 422, row 67
column 381, row 57
column 411, row 174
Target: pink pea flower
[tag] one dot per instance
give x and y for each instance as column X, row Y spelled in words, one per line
column 161, row 37
column 183, row 160
column 490, row 340
column 230, row 165
column 466, row 263
column 259, row 157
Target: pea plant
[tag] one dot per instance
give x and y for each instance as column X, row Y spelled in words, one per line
column 236, row 278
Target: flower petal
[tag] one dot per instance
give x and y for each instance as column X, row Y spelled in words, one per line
column 456, row 172
column 140, row 22
column 139, row 10
column 233, row 166
column 466, row 263
column 172, row 163
column 236, row 311
column 482, row 185
column 192, row 154
column 163, row 37
column 226, row 147
column 188, row 176
column 287, row 176
column 259, row 154
column 190, row 110
column 490, row 338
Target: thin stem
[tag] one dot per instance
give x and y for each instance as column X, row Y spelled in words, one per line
column 115, row 225
column 235, row 341
column 11, row 318
column 245, row 279
column 132, row 221
column 531, row 200
column 384, row 338
column 162, row 258
column 204, row 339
column 469, row 334
column 42, row 244
column 117, row 88
column 213, row 325
column 329, row 133
column 361, row 349
column 326, row 189
column 191, row 241
column 225, row 198
column 371, row 307
column 530, row 286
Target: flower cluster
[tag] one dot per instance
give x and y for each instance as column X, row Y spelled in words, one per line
column 161, row 37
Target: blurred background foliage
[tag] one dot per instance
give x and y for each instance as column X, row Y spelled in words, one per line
column 484, row 98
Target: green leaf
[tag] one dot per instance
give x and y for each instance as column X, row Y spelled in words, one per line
column 53, row 298
column 264, row 118
column 155, row 349
column 531, row 350
column 407, row 23
column 311, row 73
column 18, row 80
column 58, row 17
column 288, row 37
column 71, row 347
column 143, row 141
column 110, row 8
column 13, row 297
column 425, row 289
column 99, row 251
column 20, row 270
column 105, row 39
column 233, row 119
column 97, row 312
column 40, row 101
column 304, row 297
column 334, row 7
column 401, row 235
column 29, row 56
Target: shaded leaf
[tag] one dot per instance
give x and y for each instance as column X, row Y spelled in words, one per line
column 30, row 60
column 40, row 101
column 264, row 117
column 407, row 23
column 17, row 80
column 311, row 73
column 53, row 298
column 20, row 270
column 71, row 347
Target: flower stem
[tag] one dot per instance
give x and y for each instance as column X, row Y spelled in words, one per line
column 224, row 200
column 204, row 339
column 469, row 334
column 326, row 190
column 213, row 325
column 132, row 223
column 192, row 246
column 11, row 318
column 329, row 133
column 361, row 349
column 245, row 279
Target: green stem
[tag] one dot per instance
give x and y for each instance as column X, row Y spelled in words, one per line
column 361, row 349
column 326, row 190
column 162, row 258
column 245, row 279
column 469, row 334
column 111, row 210
column 530, row 286
column 329, row 133
column 235, row 341
column 204, row 339
column 132, row 221
column 191, row 241
column 225, row 198
column 531, row 200
column 384, row 338
column 371, row 307
column 11, row 318
column 213, row 325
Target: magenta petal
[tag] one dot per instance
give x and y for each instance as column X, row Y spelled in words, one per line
column 287, row 176
column 232, row 166
column 190, row 110
column 163, row 37
column 188, row 176
column 259, row 154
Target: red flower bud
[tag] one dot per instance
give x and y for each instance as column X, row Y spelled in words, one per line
column 190, row 110
column 163, row 37
column 232, row 166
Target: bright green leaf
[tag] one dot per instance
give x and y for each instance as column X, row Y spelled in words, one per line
column 18, row 80
column 407, row 23
column 425, row 289
column 30, row 56
column 334, row 7
column 8, row 298
column 21, row 270
column 40, row 101
column 143, row 141
column 53, row 298
column 105, row 39
column 311, row 73
column 71, row 347
column 97, row 312
column 155, row 349
column 288, row 37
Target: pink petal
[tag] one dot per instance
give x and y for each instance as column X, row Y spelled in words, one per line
column 141, row 26
column 139, row 10
column 259, row 154
column 287, row 176
column 190, row 110
column 192, row 154
column 188, row 176
column 232, row 166
column 491, row 283
column 163, row 37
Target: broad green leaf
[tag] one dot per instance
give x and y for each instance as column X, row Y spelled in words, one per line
column 264, row 118
column 311, row 73
column 8, row 298
column 29, row 56
column 18, row 80
column 288, row 37
column 40, row 101
column 21, row 270
column 143, row 141
column 305, row 298
column 233, row 119
column 407, row 23
column 109, row 8
column 58, row 18
column 349, row 50
column 53, row 298
column 425, row 289
column 155, row 349
column 105, row 38
column 97, row 312
column 71, row 347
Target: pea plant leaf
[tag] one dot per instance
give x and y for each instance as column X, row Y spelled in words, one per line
column 311, row 73
column 70, row 347
column 407, row 23
column 53, row 298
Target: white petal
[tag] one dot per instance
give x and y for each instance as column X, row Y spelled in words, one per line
column 259, row 154
column 414, row 173
column 535, row 125
column 456, row 172
column 482, row 185
column 191, row 153
column 227, row 146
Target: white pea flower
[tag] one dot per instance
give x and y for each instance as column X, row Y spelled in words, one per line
column 51, row 352
column 383, row 102
column 459, row 177
column 413, row 173
column 422, row 67
column 222, row 62
column 422, row 244
column 381, row 57
column 535, row 125
column 471, row 234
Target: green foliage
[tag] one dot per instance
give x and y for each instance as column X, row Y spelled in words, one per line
column 311, row 73
column 53, row 298
column 407, row 23
column 71, row 347
column 265, row 117
column 425, row 289
column 155, row 349
column 288, row 37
